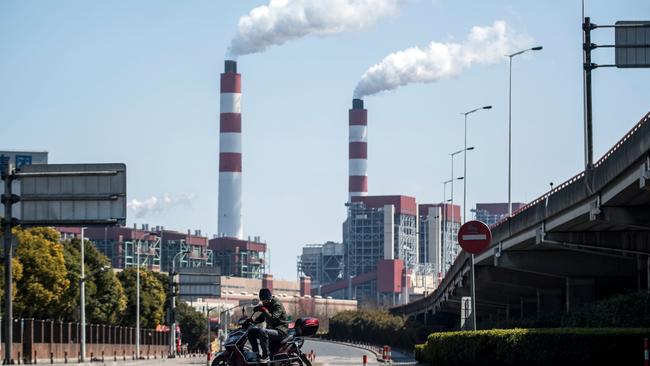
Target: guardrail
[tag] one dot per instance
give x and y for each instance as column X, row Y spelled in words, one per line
column 51, row 341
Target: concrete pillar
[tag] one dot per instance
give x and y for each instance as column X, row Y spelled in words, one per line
column 305, row 285
column 267, row 281
column 389, row 232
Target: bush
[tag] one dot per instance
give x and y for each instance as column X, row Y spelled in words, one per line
column 377, row 327
column 558, row 346
column 621, row 311
column 630, row 310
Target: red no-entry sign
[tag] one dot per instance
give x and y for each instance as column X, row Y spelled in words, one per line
column 474, row 237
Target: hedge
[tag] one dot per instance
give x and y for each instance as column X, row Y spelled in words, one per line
column 377, row 327
column 557, row 346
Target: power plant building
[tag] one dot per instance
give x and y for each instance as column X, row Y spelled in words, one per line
column 156, row 246
column 491, row 213
column 240, row 258
column 378, row 229
column 323, row 263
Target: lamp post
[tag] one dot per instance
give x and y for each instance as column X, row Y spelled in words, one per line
column 82, row 287
column 172, row 310
column 207, row 317
column 83, row 301
column 137, row 296
column 465, row 160
column 510, row 56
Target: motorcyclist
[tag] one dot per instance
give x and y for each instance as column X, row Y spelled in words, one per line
column 273, row 313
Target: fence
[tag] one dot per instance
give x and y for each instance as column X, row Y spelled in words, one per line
column 56, row 341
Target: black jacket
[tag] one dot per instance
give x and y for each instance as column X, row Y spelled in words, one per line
column 276, row 318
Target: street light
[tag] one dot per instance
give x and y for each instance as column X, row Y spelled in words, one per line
column 137, row 296
column 538, row 48
column 82, row 287
column 207, row 317
column 465, row 159
column 172, row 312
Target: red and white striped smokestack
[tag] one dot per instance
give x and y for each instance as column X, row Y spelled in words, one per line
column 230, row 162
column 358, row 152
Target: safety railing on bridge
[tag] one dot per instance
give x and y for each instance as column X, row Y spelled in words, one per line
column 580, row 175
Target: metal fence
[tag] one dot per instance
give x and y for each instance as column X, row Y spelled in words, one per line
column 56, row 341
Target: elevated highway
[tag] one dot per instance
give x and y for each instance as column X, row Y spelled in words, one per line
column 584, row 240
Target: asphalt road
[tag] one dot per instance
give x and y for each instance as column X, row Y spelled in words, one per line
column 332, row 354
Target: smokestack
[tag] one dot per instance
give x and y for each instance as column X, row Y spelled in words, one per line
column 230, row 162
column 358, row 151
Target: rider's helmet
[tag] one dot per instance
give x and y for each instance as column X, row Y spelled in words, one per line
column 265, row 295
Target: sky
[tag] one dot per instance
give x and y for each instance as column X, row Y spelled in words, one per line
column 138, row 82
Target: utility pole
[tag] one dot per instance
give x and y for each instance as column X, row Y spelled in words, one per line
column 8, row 199
column 83, row 301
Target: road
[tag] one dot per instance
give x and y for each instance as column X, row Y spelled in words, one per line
column 337, row 354
column 327, row 354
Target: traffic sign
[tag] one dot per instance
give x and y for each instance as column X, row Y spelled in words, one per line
column 474, row 237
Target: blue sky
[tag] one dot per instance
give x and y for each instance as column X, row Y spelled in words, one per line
column 137, row 82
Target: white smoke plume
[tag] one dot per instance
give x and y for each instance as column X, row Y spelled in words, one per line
column 484, row 45
column 156, row 205
column 284, row 20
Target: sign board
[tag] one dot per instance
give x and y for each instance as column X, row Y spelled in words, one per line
column 474, row 237
column 632, row 41
column 71, row 195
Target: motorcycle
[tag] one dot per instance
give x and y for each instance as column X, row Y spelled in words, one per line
column 286, row 352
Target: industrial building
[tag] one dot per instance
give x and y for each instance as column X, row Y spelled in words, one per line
column 378, row 231
column 491, row 213
column 155, row 245
column 323, row 263
column 240, row 258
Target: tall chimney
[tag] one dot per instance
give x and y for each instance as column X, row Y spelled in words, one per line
column 358, row 151
column 230, row 162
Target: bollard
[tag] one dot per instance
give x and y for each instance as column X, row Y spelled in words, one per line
column 365, row 360
column 384, row 353
column 646, row 352
column 19, row 358
column 51, row 357
column 390, row 355
column 65, row 356
column 102, row 355
column 123, row 354
column 35, row 358
column 79, row 357
column 114, row 355
column 91, row 356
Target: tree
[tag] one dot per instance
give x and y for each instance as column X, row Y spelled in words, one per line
column 105, row 297
column 16, row 272
column 44, row 279
column 193, row 326
column 152, row 298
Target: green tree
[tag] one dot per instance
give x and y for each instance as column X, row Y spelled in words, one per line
column 105, row 297
column 193, row 326
column 44, row 279
column 152, row 298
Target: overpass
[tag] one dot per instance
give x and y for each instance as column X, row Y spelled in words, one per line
column 584, row 240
